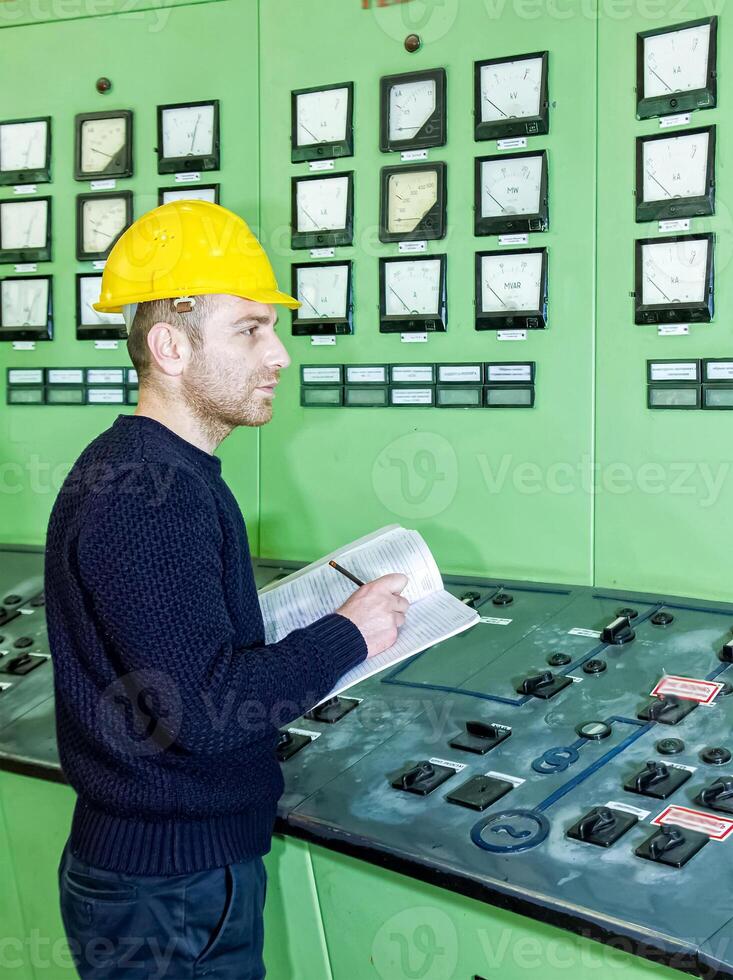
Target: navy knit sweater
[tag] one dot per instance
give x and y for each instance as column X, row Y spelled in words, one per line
column 168, row 701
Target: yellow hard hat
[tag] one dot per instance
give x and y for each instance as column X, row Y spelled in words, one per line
column 188, row 248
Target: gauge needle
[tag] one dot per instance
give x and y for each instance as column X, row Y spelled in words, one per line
column 649, row 279
column 400, row 299
column 312, row 306
column 496, row 294
column 193, row 136
column 28, row 234
column 311, row 134
column 652, row 177
column 659, row 77
column 494, row 199
column 495, row 106
column 108, row 155
column 310, row 217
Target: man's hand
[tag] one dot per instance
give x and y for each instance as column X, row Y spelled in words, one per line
column 378, row 610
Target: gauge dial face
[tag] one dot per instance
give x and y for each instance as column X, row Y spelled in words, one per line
column 188, row 131
column 191, row 194
column 674, row 272
column 410, row 196
column 675, row 167
column 321, row 117
column 102, row 140
column 412, row 287
column 323, row 291
column 511, row 185
column 321, row 205
column 102, row 220
column 676, row 61
column 24, row 303
column 89, row 290
column 411, row 104
column 23, row 145
column 511, row 282
column 23, row 224
column 511, row 89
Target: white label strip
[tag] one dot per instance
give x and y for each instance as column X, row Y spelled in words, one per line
column 412, row 372
column 681, row 119
column 679, row 765
column 190, row 177
column 65, row 376
column 105, row 376
column 320, row 165
column 104, row 396
column 670, row 371
column 25, row 376
column 108, row 184
column 24, row 345
column 322, row 253
column 26, row 267
column 413, row 247
column 511, row 334
column 494, row 621
column 688, row 688
column 517, row 239
column 458, row 766
column 413, row 338
column 627, row 808
column 673, row 330
column 99, row 264
column 322, row 374
column 412, row 396
column 106, row 344
column 516, row 780
column 4, row 686
column 304, row 731
column 375, row 374
column 510, row 372
column 408, row 155
column 459, row 372
column 323, row 341
column 675, row 224
column 512, row 143
column 716, row 828
column 579, row 631
column 24, row 189
column 720, row 371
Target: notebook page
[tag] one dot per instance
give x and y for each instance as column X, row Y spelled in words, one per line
column 437, row 617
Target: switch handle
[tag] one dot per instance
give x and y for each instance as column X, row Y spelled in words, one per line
column 481, row 729
column 416, row 775
column 655, row 772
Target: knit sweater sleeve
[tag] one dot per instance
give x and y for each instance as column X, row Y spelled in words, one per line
column 151, row 565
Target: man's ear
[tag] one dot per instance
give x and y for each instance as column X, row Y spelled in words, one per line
column 169, row 348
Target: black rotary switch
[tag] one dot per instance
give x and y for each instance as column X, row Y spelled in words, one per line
column 559, row 659
column 545, row 685
column 666, row 841
column 332, row 710
column 602, row 820
column 726, row 689
column 718, row 796
column 662, row 619
column 594, row 666
column 470, row 598
column 288, row 743
column 423, row 777
column 503, row 599
column 726, row 652
column 602, row 826
column 22, row 642
column 658, row 780
column 667, row 710
column 672, row 846
column 670, row 746
column 594, row 731
column 627, row 612
column 284, row 739
column 716, row 756
column 480, row 737
column 16, row 665
column 618, row 632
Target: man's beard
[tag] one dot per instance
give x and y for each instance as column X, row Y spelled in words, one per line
column 223, row 400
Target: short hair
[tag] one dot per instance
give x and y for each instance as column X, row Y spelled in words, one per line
column 163, row 311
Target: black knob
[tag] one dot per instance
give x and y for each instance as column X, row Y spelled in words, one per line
column 284, row 738
column 503, row 599
column 470, row 598
column 12, row 599
column 670, row 746
column 628, row 612
column 655, row 772
column 662, row 619
column 38, row 600
column 23, row 641
column 726, row 652
column 717, row 756
column 559, row 659
column 594, row 666
column 617, row 632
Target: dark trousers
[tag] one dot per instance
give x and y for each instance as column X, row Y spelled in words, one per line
column 179, row 927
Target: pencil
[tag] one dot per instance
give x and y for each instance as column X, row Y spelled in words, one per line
column 352, row 578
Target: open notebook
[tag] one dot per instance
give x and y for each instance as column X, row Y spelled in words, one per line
column 318, row 589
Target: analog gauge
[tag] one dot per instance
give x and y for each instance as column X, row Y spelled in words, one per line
column 208, row 192
column 25, row 308
column 676, row 175
column 322, row 210
column 25, row 230
column 91, row 325
column 412, row 294
column 413, row 112
column 511, row 193
column 511, row 289
column 101, row 219
column 676, row 68
column 324, row 290
column 511, row 97
column 188, row 137
column 25, row 151
column 413, row 202
column 674, row 279
column 322, row 124
column 103, row 145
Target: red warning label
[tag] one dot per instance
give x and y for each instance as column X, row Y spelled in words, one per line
column 717, row 828
column 688, row 688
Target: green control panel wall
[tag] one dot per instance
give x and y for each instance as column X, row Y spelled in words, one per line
column 152, row 57
column 589, row 484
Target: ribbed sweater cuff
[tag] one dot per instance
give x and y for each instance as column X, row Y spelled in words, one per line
column 341, row 641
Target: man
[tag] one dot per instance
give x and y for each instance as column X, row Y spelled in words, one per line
column 168, row 700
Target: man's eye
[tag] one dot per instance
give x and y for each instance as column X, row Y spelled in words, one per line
column 248, row 331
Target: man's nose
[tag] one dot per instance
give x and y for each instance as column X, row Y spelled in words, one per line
column 278, row 357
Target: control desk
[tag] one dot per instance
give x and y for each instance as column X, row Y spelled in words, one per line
column 568, row 758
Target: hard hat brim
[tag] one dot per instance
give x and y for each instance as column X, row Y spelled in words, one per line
column 274, row 297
